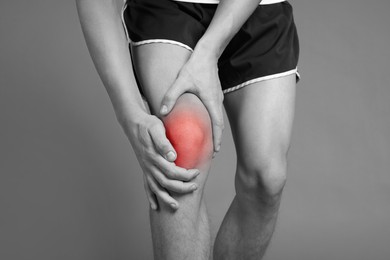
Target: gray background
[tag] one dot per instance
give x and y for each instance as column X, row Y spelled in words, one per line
column 70, row 185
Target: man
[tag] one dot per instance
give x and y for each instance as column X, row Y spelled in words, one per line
column 187, row 59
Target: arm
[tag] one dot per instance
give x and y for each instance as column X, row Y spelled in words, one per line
column 200, row 74
column 228, row 19
column 103, row 32
column 105, row 38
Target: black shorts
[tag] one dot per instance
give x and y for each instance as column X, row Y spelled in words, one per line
column 266, row 46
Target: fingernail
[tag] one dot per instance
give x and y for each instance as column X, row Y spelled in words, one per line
column 171, row 156
column 218, row 147
column 153, row 207
column 164, row 109
column 194, row 187
column 174, row 205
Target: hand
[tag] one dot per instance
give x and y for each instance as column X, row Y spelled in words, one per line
column 156, row 157
column 200, row 77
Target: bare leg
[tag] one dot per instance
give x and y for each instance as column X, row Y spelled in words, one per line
column 261, row 118
column 184, row 233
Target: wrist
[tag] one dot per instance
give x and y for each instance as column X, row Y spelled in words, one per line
column 205, row 48
column 130, row 116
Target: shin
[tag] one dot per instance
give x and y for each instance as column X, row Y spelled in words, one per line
column 185, row 232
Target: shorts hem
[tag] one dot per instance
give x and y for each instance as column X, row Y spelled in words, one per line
column 160, row 41
column 123, row 20
column 263, row 78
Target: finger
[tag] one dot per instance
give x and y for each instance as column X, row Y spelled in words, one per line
column 216, row 116
column 171, row 96
column 161, row 142
column 173, row 185
column 174, row 172
column 161, row 193
column 149, row 194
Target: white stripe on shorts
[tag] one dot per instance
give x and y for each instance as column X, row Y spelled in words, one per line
column 264, row 2
column 268, row 77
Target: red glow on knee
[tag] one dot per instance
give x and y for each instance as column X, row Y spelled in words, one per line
column 187, row 133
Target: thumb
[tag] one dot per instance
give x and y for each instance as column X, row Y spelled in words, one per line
column 216, row 115
column 171, row 96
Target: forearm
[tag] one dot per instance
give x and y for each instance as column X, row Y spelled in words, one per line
column 228, row 19
column 108, row 47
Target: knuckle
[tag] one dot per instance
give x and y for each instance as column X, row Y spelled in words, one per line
column 177, row 187
column 175, row 175
column 187, row 177
column 218, row 122
column 169, row 170
column 171, row 186
column 209, row 99
column 149, row 156
column 159, row 163
column 164, row 146
column 153, row 189
column 169, row 174
column 167, row 199
column 181, row 189
column 168, row 98
column 155, row 127
column 163, row 182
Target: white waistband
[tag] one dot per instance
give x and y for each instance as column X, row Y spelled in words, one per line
column 264, row 2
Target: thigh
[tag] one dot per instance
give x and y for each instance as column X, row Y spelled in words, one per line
column 157, row 66
column 261, row 118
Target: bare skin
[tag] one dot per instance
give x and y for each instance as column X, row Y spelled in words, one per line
column 261, row 116
column 184, row 233
column 108, row 46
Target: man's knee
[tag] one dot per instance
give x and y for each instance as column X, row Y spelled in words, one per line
column 188, row 129
column 263, row 176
